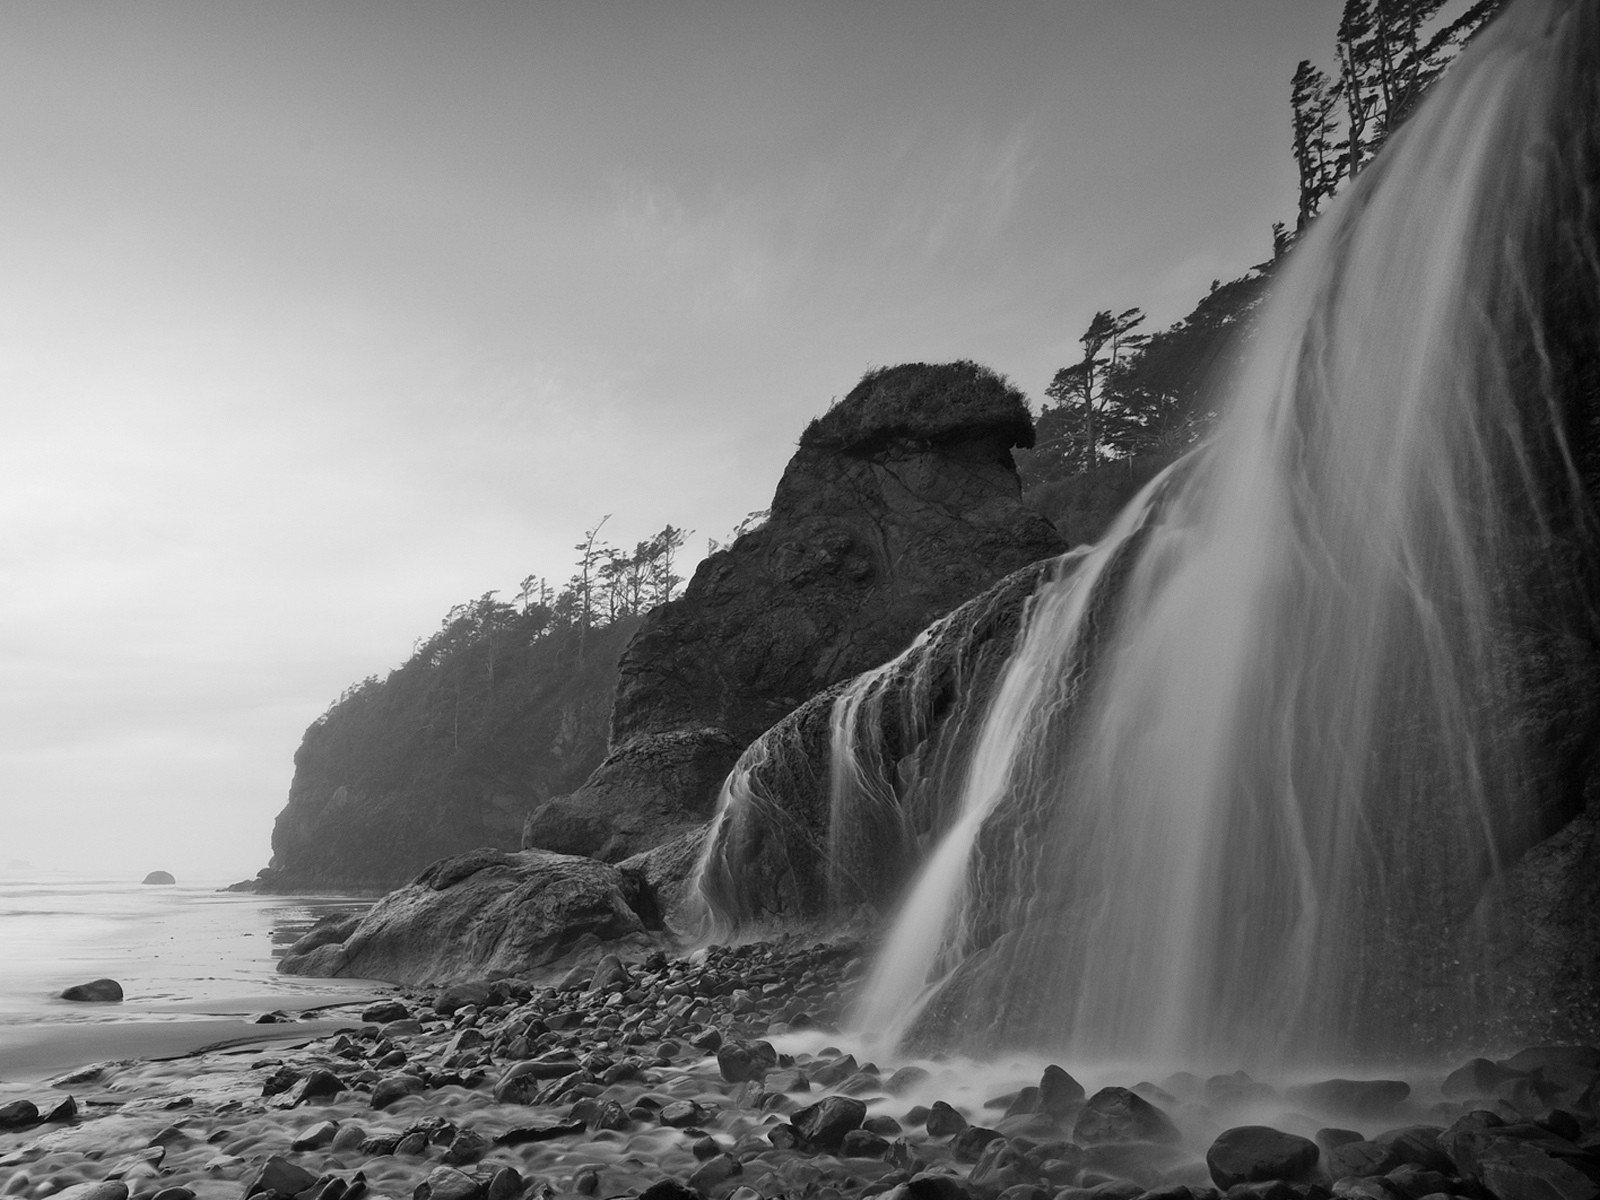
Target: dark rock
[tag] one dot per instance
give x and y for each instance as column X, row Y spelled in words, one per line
column 1001, row 1165
column 681, row 1114
column 510, row 914
column 1476, row 1078
column 1059, row 1092
column 904, row 1079
column 319, row 1085
column 281, row 1176
column 1356, row 1097
column 18, row 1114
column 175, row 1192
column 863, row 1143
column 158, row 877
column 281, row 1080
column 1251, row 1153
column 315, row 1137
column 383, row 1011
column 935, row 1185
column 825, row 1123
column 99, row 990
column 102, row 1190
column 63, row 1113
column 741, row 1061
column 942, row 1120
column 861, row 551
column 1536, row 1058
column 468, row 1146
column 669, row 1189
column 394, row 1088
column 1418, row 1145
column 1361, row 1158
column 968, row 1145
column 505, row 1184
column 1116, row 1114
column 715, row 1170
column 447, row 1183
column 539, row 1133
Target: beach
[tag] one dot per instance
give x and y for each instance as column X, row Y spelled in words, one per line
column 724, row 1073
column 197, row 966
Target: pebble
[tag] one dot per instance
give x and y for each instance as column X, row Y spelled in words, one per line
column 657, row 1078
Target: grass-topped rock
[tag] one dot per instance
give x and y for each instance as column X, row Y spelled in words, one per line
column 933, row 403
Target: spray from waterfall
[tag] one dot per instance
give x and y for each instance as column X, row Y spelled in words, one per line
column 1236, row 788
column 1253, row 757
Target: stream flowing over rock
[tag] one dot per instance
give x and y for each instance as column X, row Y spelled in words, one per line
column 1300, row 761
column 901, row 503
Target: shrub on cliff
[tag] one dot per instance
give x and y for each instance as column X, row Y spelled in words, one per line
column 931, row 402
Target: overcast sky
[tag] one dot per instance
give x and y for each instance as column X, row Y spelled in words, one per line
column 318, row 318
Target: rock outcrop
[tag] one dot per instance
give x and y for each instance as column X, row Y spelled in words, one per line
column 482, row 915
column 901, row 503
column 786, row 852
column 449, row 753
column 159, row 877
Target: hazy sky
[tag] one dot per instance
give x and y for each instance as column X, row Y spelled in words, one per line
column 318, row 318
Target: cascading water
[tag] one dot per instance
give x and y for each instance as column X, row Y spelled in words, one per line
column 1252, row 759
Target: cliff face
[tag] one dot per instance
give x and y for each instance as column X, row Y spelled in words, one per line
column 901, row 503
column 447, row 754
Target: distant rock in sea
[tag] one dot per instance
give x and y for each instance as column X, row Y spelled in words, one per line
column 159, row 877
column 98, row 990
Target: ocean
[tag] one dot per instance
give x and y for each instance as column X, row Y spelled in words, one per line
column 197, row 965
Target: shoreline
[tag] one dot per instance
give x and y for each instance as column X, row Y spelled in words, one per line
column 722, row 1076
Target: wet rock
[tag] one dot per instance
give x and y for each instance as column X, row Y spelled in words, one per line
column 314, row 1137
column 1361, row 1158
column 904, row 1079
column 936, row 1185
column 681, row 1114
column 101, row 1190
column 539, row 1133
column 1478, row 1077
column 281, row 1176
column 447, row 1183
column 385, row 1011
column 968, row 1145
column 176, row 1192
column 669, row 1189
column 1355, row 1097
column 825, row 1123
column 1539, row 1058
column 942, row 1120
column 1059, row 1092
column 715, row 1170
column 319, row 1085
column 1115, row 1114
column 863, row 1143
column 19, row 1114
column 1251, row 1153
column 741, row 1061
column 96, row 991
column 394, row 1088
column 505, row 1184
column 1418, row 1145
column 63, row 1113
column 468, row 1146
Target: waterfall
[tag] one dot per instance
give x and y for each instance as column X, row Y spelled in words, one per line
column 1252, row 758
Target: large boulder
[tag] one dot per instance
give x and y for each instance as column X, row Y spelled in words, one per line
column 484, row 915
column 901, row 503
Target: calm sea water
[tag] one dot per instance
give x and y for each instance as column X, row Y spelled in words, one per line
column 177, row 950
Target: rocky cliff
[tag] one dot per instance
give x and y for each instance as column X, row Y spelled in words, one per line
column 900, row 503
column 447, row 754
